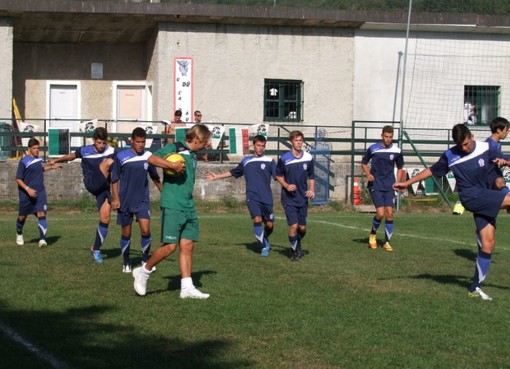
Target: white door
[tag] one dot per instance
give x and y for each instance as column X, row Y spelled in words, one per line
column 132, row 105
column 64, row 109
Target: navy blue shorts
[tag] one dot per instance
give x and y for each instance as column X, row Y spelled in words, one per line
column 126, row 217
column 96, row 184
column 29, row 205
column 296, row 214
column 485, row 205
column 258, row 209
column 382, row 198
column 102, row 197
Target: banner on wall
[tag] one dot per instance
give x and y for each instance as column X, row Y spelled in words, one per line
column 28, row 128
column 88, row 126
column 217, row 133
column 183, row 87
column 150, row 130
column 413, row 172
column 239, row 140
column 451, row 180
column 59, row 142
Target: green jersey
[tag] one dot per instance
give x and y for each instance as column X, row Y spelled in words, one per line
column 177, row 191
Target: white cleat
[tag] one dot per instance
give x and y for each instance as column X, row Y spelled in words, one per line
column 193, row 293
column 19, row 240
column 126, row 269
column 42, row 243
column 479, row 293
column 140, row 283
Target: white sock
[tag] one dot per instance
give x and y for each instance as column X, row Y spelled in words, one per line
column 187, row 283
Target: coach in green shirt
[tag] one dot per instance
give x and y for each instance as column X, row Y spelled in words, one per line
column 179, row 222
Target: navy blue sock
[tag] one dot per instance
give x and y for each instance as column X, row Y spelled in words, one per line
column 375, row 225
column 125, row 244
column 388, row 230
column 293, row 242
column 19, row 226
column 483, row 263
column 102, row 231
column 145, row 243
column 259, row 233
column 43, row 227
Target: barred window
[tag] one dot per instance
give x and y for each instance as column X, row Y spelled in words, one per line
column 283, row 100
column 481, row 104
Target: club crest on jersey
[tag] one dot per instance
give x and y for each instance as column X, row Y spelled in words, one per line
column 392, row 156
column 145, row 165
column 481, row 162
column 305, row 166
column 263, row 166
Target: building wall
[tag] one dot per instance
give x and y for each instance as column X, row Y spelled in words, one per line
column 231, row 63
column 38, row 63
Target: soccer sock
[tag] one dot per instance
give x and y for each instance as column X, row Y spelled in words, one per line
column 102, row 231
column 483, row 263
column 293, row 242
column 301, row 235
column 125, row 244
column 43, row 227
column 186, row 283
column 259, row 233
column 146, row 247
column 19, row 226
column 375, row 224
column 388, row 230
column 267, row 232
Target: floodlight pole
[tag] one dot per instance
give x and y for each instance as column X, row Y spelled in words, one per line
column 400, row 133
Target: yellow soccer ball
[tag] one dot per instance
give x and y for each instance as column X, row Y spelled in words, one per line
column 173, row 158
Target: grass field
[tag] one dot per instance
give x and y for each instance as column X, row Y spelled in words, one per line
column 341, row 306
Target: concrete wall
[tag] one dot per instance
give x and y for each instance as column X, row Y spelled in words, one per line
column 6, row 62
column 67, row 183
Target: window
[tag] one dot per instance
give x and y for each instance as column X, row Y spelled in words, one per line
column 282, row 100
column 481, row 104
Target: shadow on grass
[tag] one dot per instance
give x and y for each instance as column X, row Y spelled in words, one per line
column 462, row 281
column 174, row 282
column 466, row 254
column 50, row 240
column 78, row 338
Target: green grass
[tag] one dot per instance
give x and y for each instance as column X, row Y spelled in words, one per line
column 341, row 306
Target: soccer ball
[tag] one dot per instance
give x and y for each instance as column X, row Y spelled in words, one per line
column 173, row 158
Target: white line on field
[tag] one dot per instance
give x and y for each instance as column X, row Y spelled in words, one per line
column 40, row 353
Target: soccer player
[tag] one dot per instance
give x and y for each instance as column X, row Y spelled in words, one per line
column 179, row 222
column 470, row 163
column 258, row 170
column 130, row 190
column 499, row 129
column 295, row 172
column 380, row 177
column 96, row 160
column 31, row 192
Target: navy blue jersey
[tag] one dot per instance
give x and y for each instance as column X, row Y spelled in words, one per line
column 383, row 164
column 130, row 169
column 470, row 170
column 31, row 170
column 296, row 171
column 258, row 172
column 90, row 160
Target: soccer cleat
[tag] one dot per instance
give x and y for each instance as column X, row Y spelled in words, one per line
column 479, row 293
column 96, row 254
column 387, row 247
column 193, row 293
column 43, row 243
column 140, row 283
column 19, row 240
column 296, row 255
column 372, row 241
column 267, row 247
column 153, row 268
column 126, row 268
